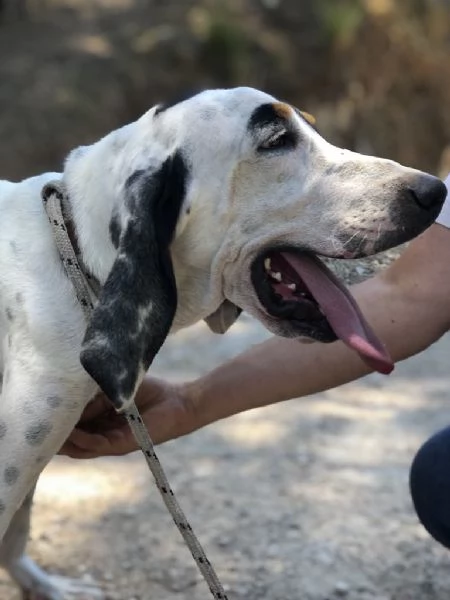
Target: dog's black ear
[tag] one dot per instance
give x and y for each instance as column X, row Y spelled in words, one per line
column 224, row 317
column 137, row 304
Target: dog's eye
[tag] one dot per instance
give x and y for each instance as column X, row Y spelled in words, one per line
column 282, row 139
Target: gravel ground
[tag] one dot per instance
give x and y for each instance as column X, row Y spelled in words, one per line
column 305, row 500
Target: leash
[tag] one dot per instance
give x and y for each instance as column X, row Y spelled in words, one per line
column 55, row 200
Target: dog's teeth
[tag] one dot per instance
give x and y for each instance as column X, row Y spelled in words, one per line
column 292, row 286
column 276, row 276
column 267, row 264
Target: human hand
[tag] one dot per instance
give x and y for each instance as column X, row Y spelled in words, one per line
column 166, row 410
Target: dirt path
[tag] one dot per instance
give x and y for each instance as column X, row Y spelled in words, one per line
column 307, row 500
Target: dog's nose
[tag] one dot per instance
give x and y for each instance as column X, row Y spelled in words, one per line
column 428, row 192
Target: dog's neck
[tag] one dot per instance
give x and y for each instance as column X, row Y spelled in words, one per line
column 93, row 192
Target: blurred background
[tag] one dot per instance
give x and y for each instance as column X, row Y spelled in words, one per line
column 376, row 73
column 306, row 500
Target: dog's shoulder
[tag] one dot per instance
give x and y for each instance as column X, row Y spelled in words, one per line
column 36, row 297
column 24, row 230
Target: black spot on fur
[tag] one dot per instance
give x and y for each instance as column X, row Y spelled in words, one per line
column 11, row 475
column 138, row 301
column 265, row 115
column 9, row 314
column 54, row 401
column 114, row 231
column 177, row 99
column 36, row 434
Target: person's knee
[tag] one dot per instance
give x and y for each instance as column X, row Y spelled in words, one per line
column 430, row 486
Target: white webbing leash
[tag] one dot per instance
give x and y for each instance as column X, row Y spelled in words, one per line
column 54, row 198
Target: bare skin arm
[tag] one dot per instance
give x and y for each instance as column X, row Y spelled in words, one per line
column 408, row 305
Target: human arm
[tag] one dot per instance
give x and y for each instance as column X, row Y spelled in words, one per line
column 408, row 306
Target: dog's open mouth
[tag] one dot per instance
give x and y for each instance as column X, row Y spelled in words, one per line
column 297, row 287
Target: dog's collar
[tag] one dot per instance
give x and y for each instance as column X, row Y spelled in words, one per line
column 57, row 206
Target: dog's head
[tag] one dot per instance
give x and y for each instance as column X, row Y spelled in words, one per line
column 222, row 202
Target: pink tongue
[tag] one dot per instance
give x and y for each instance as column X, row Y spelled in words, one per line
column 341, row 310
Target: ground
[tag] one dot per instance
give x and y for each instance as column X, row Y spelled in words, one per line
column 306, row 500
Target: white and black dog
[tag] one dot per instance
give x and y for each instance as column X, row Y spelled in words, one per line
column 200, row 209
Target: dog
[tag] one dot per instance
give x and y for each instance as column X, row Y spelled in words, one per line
column 217, row 203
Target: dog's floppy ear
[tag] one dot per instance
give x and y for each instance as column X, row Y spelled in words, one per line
column 138, row 301
column 224, row 317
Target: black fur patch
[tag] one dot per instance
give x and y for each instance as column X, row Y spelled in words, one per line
column 36, row 434
column 177, row 99
column 114, row 231
column 265, row 115
column 269, row 116
column 138, row 301
column 54, row 401
column 11, row 475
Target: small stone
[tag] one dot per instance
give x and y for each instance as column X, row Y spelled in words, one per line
column 224, row 542
column 273, row 550
column 324, row 557
column 341, row 588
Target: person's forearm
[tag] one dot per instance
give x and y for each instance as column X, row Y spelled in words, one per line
column 275, row 370
column 280, row 369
